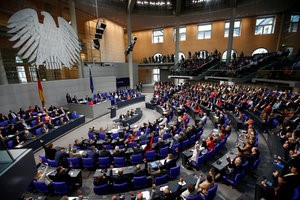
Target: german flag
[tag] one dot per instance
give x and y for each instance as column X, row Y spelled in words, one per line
column 40, row 89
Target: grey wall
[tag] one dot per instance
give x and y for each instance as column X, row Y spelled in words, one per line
column 164, row 73
column 120, row 70
column 14, row 96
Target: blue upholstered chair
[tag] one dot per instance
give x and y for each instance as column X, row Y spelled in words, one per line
column 174, row 172
column 102, row 189
column 140, row 182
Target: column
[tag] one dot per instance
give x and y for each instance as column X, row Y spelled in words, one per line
column 74, row 25
column 3, row 78
column 177, row 44
column 130, row 64
column 230, row 34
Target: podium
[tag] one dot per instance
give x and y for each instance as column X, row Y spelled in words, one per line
column 113, row 112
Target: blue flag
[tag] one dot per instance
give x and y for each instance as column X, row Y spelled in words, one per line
column 91, row 82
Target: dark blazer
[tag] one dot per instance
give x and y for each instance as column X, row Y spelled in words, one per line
column 104, row 154
column 119, row 179
column 49, row 152
column 102, row 181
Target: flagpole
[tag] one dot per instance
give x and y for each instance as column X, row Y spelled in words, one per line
column 40, row 87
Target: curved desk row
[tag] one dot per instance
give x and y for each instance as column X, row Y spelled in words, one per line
column 136, row 117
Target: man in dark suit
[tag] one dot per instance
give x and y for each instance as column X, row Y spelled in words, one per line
column 118, row 153
column 12, row 115
column 160, row 144
column 104, row 153
column 49, row 150
column 93, row 154
column 120, row 178
column 139, row 171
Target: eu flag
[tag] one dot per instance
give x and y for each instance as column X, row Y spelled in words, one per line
column 91, row 82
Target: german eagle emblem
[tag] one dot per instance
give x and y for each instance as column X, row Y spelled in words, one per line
column 44, row 43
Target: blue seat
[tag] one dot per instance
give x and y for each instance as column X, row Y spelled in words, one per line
column 209, row 155
column 38, row 131
column 40, row 187
column 102, row 136
column 33, row 122
column 184, row 145
column 103, row 162
column 166, row 136
column 161, row 179
column 119, row 162
column 73, row 162
column 4, row 123
column 43, row 158
column 245, row 167
column 122, row 187
column 296, row 194
column 200, row 161
column 234, row 182
column 136, row 159
column 163, row 152
column 132, row 144
column 255, row 163
column 115, row 135
column 155, row 139
column 52, row 163
column 194, row 197
column 60, row 188
column 140, row 182
column 174, row 147
column 211, row 193
column 10, row 144
column 174, row 172
column 88, row 163
column 150, row 155
column 192, row 140
column 102, row 189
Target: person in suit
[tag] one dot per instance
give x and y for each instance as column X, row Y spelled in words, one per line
column 23, row 125
column 93, row 153
column 160, row 144
column 169, row 162
column 139, row 171
column 18, row 141
column 28, row 136
column 120, row 178
column 138, row 149
column 12, row 115
column 3, row 117
column 12, row 130
column 44, row 129
column 62, row 174
column 104, row 152
column 61, row 157
column 118, row 153
column 49, row 150
column 100, row 180
column 253, row 156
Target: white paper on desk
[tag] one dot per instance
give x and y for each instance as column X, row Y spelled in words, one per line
column 182, row 183
column 80, row 152
column 162, row 162
column 19, row 146
column 146, row 195
column 163, row 188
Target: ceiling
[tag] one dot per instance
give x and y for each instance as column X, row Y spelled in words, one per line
column 180, row 11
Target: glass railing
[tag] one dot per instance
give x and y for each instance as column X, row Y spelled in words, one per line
column 5, row 157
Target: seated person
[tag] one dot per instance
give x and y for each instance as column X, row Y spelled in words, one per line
column 118, row 153
column 44, row 129
column 18, row 141
column 62, row 175
column 23, row 125
column 169, row 162
column 139, row 171
column 100, row 180
column 120, row 178
column 28, row 136
column 207, row 184
column 74, row 115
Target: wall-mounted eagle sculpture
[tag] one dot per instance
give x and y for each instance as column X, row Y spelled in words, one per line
column 44, row 43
